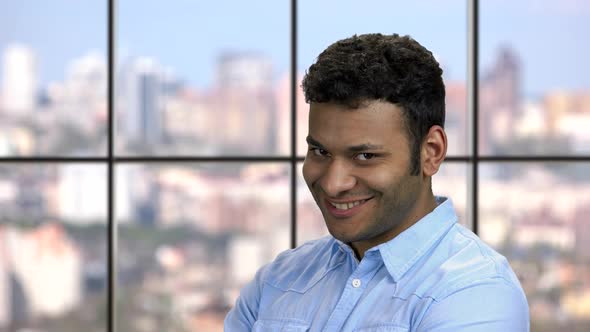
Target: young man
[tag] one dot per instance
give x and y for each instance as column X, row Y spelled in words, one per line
column 397, row 259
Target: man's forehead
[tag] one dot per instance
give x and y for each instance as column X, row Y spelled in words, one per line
column 337, row 126
column 365, row 105
column 375, row 114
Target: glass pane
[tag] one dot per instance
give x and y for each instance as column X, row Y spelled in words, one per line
column 439, row 26
column 203, row 78
column 450, row 181
column 53, row 78
column 189, row 238
column 53, row 264
column 537, row 216
column 535, row 78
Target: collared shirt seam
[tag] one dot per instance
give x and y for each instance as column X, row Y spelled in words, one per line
column 452, row 289
column 421, row 297
column 482, row 252
column 307, row 286
column 423, row 249
column 285, row 320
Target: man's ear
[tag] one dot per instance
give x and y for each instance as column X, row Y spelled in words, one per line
column 434, row 150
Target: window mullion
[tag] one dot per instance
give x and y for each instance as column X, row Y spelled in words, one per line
column 111, row 226
column 472, row 104
column 293, row 123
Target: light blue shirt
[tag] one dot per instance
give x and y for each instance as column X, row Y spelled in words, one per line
column 435, row 276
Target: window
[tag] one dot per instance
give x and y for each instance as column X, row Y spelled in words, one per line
column 533, row 111
column 53, row 168
column 147, row 171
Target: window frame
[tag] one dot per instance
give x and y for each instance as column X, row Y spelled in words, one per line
column 472, row 160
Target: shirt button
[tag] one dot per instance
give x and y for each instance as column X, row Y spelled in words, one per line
column 356, row 283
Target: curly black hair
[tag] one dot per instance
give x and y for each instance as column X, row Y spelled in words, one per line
column 391, row 68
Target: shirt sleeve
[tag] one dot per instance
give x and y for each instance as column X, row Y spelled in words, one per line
column 494, row 305
column 245, row 312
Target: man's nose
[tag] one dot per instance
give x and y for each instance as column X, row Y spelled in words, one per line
column 337, row 179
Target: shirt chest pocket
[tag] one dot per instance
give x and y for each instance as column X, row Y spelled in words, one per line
column 280, row 325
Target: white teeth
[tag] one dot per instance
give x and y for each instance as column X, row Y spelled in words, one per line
column 341, row 206
column 346, row 206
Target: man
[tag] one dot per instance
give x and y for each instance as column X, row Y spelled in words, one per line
column 397, row 259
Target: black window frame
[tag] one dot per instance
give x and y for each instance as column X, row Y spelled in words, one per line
column 472, row 160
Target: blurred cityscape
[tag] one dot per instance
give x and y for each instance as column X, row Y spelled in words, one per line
column 190, row 236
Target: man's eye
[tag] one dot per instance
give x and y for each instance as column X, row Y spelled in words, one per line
column 319, row 152
column 365, row 156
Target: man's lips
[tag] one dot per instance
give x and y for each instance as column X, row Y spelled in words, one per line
column 344, row 209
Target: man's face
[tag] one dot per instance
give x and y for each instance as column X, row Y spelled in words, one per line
column 358, row 171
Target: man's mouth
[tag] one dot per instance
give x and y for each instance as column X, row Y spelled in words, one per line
column 345, row 209
column 347, row 205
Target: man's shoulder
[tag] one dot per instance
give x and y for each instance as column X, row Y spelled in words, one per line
column 474, row 288
column 299, row 268
column 462, row 260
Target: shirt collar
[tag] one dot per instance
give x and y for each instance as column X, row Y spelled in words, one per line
column 401, row 253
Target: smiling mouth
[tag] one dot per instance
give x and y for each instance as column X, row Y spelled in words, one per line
column 348, row 205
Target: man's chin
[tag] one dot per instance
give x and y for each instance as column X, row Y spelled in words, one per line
column 344, row 237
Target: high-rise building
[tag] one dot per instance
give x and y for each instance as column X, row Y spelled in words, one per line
column 189, row 119
column 244, row 104
column 142, row 99
column 243, row 70
column 505, row 79
column 85, row 93
column 19, row 84
column 86, row 80
column 500, row 100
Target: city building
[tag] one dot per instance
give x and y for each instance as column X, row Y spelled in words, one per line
column 568, row 115
column 187, row 119
column 243, row 105
column 582, row 231
column 283, row 125
column 456, row 118
column 48, row 265
column 500, row 101
column 82, row 193
column 40, row 273
column 5, row 305
column 85, row 92
column 244, row 70
column 542, row 227
column 141, row 100
column 19, row 81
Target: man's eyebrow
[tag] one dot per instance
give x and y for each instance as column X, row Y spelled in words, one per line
column 364, row 147
column 355, row 148
column 311, row 141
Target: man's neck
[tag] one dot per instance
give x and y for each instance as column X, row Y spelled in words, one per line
column 423, row 207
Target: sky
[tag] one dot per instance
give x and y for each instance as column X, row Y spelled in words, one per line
column 188, row 35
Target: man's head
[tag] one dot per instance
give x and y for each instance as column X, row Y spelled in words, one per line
column 375, row 136
column 389, row 68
